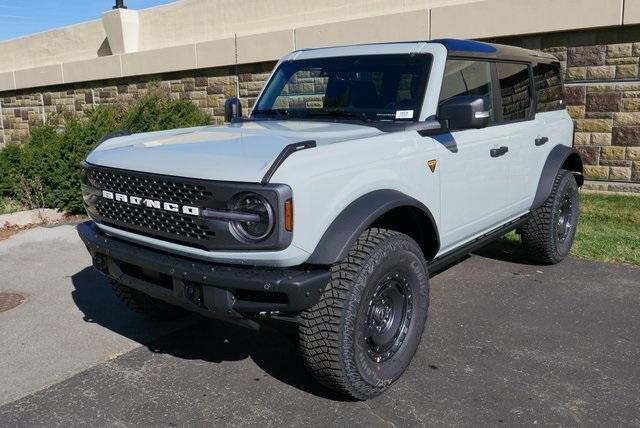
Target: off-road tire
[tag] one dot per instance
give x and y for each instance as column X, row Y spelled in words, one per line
column 145, row 305
column 540, row 233
column 333, row 333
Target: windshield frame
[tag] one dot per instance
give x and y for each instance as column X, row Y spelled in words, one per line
column 341, row 114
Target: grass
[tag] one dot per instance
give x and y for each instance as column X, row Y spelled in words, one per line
column 608, row 229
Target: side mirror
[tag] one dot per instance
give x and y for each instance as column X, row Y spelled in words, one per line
column 465, row 112
column 232, row 109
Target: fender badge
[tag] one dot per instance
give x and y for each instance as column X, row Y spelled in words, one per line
column 432, row 164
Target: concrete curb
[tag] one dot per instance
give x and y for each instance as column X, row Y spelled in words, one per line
column 26, row 218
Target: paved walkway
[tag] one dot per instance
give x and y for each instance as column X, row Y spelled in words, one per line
column 70, row 320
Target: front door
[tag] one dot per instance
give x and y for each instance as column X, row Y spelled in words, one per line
column 475, row 190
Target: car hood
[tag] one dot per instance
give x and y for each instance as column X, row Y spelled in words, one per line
column 236, row 152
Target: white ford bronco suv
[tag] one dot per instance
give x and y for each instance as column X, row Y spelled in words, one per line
column 360, row 170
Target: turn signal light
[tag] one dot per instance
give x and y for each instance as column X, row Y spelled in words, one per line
column 288, row 215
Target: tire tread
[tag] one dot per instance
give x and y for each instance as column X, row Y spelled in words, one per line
column 537, row 233
column 319, row 331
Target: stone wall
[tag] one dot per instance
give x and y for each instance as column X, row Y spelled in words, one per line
column 602, row 87
column 208, row 88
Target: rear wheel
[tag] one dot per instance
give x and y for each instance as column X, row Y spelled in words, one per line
column 146, row 305
column 364, row 331
column 550, row 232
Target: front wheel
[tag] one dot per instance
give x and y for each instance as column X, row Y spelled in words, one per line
column 364, row 331
column 550, row 231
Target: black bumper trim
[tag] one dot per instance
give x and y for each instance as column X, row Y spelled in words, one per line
column 219, row 284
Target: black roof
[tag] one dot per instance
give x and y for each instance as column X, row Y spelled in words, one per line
column 473, row 48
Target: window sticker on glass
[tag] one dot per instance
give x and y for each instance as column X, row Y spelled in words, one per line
column 404, row 114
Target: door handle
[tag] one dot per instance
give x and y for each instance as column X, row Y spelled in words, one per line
column 499, row 151
column 541, row 140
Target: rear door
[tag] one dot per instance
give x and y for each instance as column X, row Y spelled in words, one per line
column 554, row 126
column 519, row 123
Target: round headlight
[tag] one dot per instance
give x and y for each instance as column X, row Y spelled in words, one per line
column 259, row 229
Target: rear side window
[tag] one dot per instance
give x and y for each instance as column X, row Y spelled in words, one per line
column 548, row 84
column 462, row 77
column 515, row 90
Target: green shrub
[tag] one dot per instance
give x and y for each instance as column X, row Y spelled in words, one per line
column 45, row 171
column 9, row 160
column 154, row 112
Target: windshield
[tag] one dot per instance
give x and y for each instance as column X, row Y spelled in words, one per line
column 366, row 88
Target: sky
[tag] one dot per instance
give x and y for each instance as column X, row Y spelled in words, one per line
column 22, row 17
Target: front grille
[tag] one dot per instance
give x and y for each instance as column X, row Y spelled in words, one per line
column 145, row 204
column 175, row 225
column 171, row 226
column 161, row 188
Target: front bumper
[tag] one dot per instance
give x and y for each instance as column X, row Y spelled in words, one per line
column 214, row 290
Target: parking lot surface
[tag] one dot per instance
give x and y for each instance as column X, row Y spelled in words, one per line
column 507, row 342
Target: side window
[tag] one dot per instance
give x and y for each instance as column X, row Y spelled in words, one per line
column 515, row 90
column 548, row 84
column 462, row 77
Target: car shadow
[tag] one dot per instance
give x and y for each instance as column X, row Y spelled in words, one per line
column 507, row 251
column 502, row 249
column 273, row 348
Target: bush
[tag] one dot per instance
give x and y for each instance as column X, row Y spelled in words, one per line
column 45, row 171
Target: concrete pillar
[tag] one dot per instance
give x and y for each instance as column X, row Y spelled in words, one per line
column 123, row 30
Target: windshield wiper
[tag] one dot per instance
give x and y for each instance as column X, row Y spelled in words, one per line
column 341, row 113
column 272, row 112
column 285, row 113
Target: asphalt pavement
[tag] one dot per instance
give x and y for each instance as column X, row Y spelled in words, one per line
column 507, row 343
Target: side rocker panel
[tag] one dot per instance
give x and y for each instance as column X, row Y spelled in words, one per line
column 355, row 218
column 557, row 157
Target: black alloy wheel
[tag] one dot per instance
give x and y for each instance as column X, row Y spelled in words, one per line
column 551, row 228
column 388, row 317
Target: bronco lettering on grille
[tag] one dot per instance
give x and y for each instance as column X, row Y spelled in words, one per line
column 151, row 203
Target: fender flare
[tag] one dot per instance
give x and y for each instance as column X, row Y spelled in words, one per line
column 355, row 218
column 556, row 159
